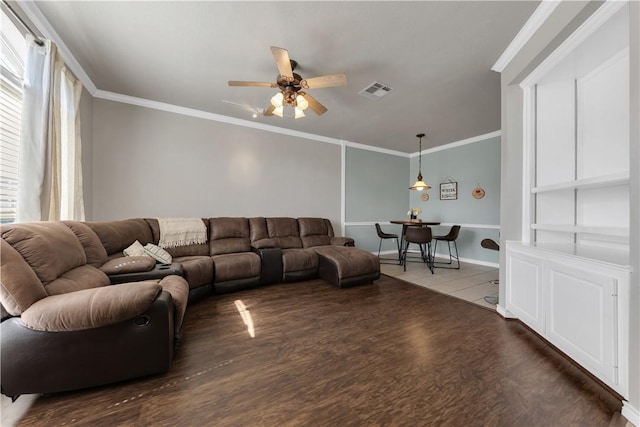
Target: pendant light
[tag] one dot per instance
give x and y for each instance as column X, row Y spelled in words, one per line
column 420, row 185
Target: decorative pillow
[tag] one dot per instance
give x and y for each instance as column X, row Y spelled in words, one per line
column 158, row 253
column 132, row 264
column 136, row 249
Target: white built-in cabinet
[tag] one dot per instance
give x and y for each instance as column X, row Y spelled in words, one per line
column 569, row 278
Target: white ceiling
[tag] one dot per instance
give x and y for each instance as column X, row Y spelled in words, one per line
column 435, row 55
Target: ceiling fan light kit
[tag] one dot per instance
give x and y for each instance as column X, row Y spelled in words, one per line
column 290, row 85
column 420, row 185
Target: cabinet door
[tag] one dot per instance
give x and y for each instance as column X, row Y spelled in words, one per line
column 524, row 289
column 581, row 315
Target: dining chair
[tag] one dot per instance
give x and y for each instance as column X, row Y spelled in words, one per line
column 422, row 237
column 450, row 238
column 382, row 235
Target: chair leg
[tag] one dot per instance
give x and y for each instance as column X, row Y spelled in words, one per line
column 455, row 246
column 451, row 256
column 399, row 251
column 430, row 259
column 379, row 247
column 404, row 256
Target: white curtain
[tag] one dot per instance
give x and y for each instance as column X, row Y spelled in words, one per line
column 50, row 175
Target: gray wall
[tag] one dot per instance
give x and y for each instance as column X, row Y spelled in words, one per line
column 153, row 163
column 470, row 165
column 376, row 191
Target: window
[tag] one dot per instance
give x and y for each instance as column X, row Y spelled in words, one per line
column 11, row 76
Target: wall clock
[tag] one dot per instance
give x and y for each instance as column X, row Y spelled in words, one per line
column 424, row 197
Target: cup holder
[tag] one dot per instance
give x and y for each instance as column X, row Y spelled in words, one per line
column 143, row 320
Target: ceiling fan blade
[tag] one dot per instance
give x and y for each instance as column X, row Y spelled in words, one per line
column 325, row 81
column 252, row 84
column 283, row 62
column 269, row 111
column 315, row 106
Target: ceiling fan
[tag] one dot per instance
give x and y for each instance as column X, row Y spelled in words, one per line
column 291, row 85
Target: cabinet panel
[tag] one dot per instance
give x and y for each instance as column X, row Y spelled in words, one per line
column 580, row 317
column 524, row 289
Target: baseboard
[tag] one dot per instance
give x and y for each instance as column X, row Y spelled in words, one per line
column 630, row 413
column 505, row 313
column 469, row 260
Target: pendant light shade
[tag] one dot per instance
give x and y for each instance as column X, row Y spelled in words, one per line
column 420, row 185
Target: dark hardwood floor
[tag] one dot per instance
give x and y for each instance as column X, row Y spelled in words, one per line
column 388, row 354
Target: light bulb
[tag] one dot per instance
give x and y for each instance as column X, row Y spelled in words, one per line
column 302, row 103
column 276, row 100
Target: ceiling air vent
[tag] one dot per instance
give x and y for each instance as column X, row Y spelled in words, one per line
column 375, row 90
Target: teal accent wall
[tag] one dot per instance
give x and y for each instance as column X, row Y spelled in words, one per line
column 376, row 190
column 471, row 165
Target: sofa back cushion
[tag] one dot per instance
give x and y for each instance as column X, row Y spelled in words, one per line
column 201, row 249
column 93, row 249
column 228, row 235
column 313, row 232
column 284, row 232
column 119, row 235
column 19, row 287
column 50, row 248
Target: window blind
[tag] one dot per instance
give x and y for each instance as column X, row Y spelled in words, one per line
column 10, row 122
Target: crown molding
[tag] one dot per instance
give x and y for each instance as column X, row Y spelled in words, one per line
column 376, row 149
column 192, row 112
column 471, row 140
column 533, row 24
column 35, row 15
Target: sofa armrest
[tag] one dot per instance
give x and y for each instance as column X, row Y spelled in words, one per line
column 342, row 241
column 90, row 308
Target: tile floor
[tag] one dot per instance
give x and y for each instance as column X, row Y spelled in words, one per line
column 472, row 282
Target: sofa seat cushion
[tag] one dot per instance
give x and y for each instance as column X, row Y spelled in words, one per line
column 198, row 270
column 299, row 260
column 236, row 266
column 91, row 308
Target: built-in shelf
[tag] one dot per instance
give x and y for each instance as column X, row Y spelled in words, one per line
column 614, row 257
column 585, row 229
column 603, row 181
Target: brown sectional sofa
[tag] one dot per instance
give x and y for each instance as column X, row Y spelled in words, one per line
column 61, row 318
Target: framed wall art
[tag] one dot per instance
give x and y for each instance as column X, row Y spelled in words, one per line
column 449, row 191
